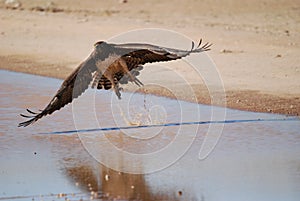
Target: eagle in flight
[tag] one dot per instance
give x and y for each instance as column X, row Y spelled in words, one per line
column 108, row 66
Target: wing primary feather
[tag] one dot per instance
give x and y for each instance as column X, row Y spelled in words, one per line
column 31, row 111
column 27, row 123
column 26, row 116
column 206, row 46
column 200, row 41
column 193, row 44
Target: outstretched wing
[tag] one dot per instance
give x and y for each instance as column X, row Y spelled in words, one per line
column 71, row 88
column 136, row 54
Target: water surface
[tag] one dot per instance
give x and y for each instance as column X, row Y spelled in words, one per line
column 252, row 161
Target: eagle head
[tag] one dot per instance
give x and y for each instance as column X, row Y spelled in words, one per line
column 99, row 43
column 102, row 46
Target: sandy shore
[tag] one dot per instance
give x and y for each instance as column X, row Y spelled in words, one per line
column 256, row 44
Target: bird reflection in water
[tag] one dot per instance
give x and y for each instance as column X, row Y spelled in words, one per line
column 106, row 184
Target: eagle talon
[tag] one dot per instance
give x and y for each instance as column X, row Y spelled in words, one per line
column 138, row 82
column 135, row 80
column 117, row 91
column 118, row 94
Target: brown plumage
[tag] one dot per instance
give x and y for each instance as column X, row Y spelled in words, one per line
column 108, row 66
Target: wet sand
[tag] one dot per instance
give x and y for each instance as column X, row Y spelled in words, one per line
column 256, row 45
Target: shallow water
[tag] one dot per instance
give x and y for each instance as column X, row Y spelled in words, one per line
column 257, row 160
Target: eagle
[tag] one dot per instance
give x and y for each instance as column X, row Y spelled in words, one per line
column 107, row 67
